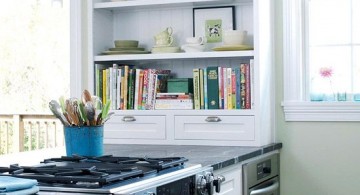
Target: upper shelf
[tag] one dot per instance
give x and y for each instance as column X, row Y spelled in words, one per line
column 126, row 5
column 169, row 56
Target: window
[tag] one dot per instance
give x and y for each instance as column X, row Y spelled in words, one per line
column 35, row 62
column 321, row 42
column 40, row 59
column 34, row 54
column 333, row 44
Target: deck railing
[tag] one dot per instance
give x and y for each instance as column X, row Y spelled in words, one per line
column 29, row 132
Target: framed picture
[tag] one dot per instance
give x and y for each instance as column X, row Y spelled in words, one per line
column 209, row 22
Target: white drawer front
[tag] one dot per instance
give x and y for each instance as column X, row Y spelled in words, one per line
column 135, row 127
column 226, row 128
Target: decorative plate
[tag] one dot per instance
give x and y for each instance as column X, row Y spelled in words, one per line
column 124, row 52
column 127, row 49
column 233, row 48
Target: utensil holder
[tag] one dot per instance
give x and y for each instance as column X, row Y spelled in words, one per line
column 84, row 140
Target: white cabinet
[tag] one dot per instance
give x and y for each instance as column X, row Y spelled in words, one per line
column 233, row 179
column 135, row 127
column 141, row 20
column 226, row 128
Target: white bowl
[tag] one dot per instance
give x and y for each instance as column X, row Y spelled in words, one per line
column 234, row 37
column 195, row 40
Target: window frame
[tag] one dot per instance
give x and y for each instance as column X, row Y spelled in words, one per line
column 295, row 104
column 76, row 50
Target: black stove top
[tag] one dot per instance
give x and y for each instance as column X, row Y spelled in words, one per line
column 91, row 172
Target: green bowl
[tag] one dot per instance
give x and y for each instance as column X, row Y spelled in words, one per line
column 126, row 43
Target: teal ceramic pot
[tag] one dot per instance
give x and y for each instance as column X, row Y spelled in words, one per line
column 84, row 141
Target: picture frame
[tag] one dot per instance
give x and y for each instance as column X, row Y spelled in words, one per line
column 209, row 22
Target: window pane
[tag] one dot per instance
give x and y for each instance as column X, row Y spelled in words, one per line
column 356, row 21
column 329, row 22
column 356, row 72
column 34, row 54
column 330, row 72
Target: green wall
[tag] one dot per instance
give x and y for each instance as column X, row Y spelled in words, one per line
column 318, row 158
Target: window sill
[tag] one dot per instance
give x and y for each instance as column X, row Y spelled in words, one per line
column 321, row 111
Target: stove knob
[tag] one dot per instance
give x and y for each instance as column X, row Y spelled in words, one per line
column 209, row 182
column 217, row 182
column 201, row 184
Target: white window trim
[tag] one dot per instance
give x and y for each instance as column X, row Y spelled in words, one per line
column 75, row 48
column 295, row 105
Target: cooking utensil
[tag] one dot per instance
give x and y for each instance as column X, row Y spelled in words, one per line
column 83, row 113
column 70, row 110
column 86, row 96
column 56, row 110
column 90, row 112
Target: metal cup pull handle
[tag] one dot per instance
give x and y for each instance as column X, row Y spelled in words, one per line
column 128, row 119
column 212, row 119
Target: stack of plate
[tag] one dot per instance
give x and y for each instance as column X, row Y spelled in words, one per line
column 126, row 47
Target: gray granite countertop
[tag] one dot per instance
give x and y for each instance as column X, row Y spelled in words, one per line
column 216, row 156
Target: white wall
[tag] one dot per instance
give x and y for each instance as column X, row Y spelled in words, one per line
column 318, row 158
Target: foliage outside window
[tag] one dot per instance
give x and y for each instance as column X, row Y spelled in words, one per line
column 34, row 54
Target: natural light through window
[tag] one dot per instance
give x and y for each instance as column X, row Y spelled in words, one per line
column 333, row 50
column 34, row 54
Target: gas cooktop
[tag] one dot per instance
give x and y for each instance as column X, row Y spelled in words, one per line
column 93, row 172
column 117, row 175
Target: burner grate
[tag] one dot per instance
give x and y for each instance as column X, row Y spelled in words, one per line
column 97, row 171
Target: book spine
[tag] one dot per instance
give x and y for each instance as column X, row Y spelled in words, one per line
column 126, row 86
column 104, row 86
column 136, row 92
column 224, row 87
column 196, row 81
column 205, row 89
column 150, row 89
column 101, row 85
column 141, row 86
column 97, row 83
column 153, row 91
column 220, row 88
column 242, row 85
column 213, row 87
column 238, row 97
column 248, row 87
column 122, row 88
column 201, row 88
column 108, row 85
column 118, row 89
column 233, row 89
column 229, row 88
column 145, row 88
column 111, row 87
column 131, row 88
column 183, row 104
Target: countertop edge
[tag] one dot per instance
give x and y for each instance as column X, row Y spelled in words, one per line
column 241, row 158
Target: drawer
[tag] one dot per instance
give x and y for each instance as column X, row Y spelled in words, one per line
column 135, row 127
column 237, row 128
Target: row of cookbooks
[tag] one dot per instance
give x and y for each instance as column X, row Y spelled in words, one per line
column 128, row 87
column 131, row 88
column 223, row 87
